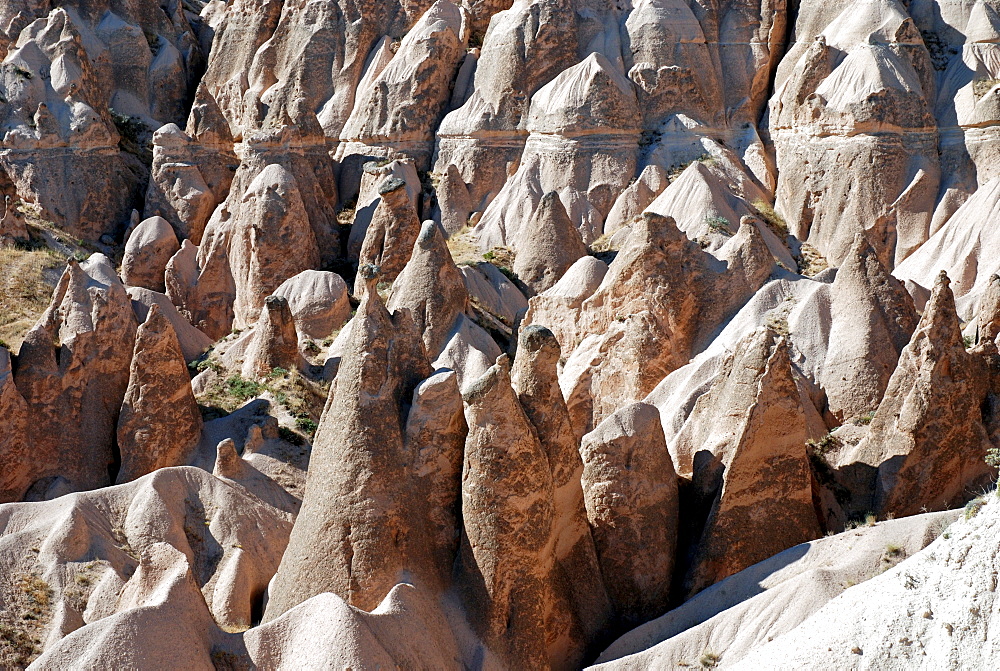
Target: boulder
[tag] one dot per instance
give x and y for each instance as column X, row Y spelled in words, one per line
column 147, row 252
column 319, row 302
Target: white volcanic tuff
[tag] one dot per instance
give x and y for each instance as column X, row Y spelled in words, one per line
column 936, row 610
column 66, row 68
column 132, row 540
column 319, row 302
column 860, row 94
column 395, row 115
column 147, row 252
column 745, row 611
column 524, row 48
column 583, row 145
column 965, row 247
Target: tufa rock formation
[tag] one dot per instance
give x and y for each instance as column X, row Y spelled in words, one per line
column 160, row 423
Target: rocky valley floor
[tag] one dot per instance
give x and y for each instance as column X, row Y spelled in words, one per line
column 499, row 334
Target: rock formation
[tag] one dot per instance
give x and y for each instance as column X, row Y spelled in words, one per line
column 318, row 301
column 551, row 245
column 927, row 434
column 14, row 445
column 760, row 463
column 507, row 502
column 73, row 371
column 147, row 252
column 431, row 288
column 393, row 230
column 475, row 334
column 160, row 423
column 873, row 318
column 631, row 495
column 357, row 515
column 577, row 576
column 274, row 344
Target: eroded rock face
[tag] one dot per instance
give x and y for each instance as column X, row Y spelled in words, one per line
column 858, row 89
column 507, row 512
column 551, row 245
column 873, row 318
column 630, row 491
column 160, row 423
column 583, row 144
column 397, row 107
column 927, row 439
column 73, row 371
column 270, row 222
column 318, row 300
column 359, row 541
column 275, row 343
column 12, row 228
column 524, row 48
column 392, row 232
column 68, row 71
column 192, row 169
column 16, row 477
column 659, row 303
column 577, row 575
column 202, row 287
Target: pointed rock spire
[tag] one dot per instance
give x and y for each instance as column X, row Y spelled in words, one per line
column 507, row 513
column 362, row 528
column 159, row 424
column 431, row 288
column 988, row 318
column 927, row 437
column 765, row 502
column 435, row 440
column 73, row 371
column 393, row 230
column 535, row 379
column 547, row 246
column 873, row 319
column 630, row 490
column 275, row 343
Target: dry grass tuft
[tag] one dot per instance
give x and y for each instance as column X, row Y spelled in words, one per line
column 463, row 248
column 27, row 278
